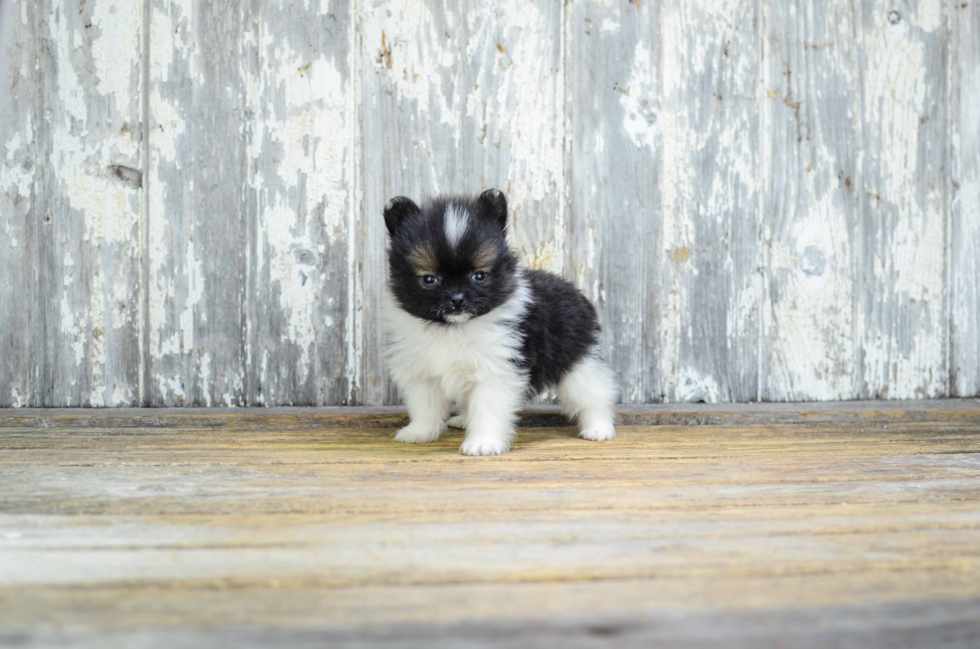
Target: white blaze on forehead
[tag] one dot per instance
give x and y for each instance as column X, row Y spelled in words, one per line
column 456, row 220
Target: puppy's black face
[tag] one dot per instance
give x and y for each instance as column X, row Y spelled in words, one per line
column 448, row 259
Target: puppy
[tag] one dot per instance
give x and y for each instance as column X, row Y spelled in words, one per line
column 465, row 323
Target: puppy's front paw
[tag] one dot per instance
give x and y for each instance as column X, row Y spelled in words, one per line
column 484, row 446
column 417, row 434
column 457, row 421
column 598, row 433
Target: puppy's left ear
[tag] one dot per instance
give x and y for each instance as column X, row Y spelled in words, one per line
column 496, row 204
column 397, row 210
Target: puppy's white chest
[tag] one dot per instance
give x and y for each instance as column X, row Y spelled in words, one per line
column 456, row 356
column 460, row 355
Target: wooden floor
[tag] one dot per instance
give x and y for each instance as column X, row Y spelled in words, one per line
column 846, row 525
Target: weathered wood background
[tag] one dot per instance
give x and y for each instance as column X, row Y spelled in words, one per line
column 766, row 199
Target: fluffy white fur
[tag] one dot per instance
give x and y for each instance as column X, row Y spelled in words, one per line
column 458, row 318
column 470, row 363
column 434, row 364
column 456, row 222
column 587, row 395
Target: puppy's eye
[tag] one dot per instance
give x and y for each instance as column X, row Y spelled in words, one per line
column 429, row 280
column 479, row 276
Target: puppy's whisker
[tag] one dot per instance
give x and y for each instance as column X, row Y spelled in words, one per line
column 483, row 304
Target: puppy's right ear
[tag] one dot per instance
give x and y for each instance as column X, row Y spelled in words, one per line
column 397, row 210
column 496, row 203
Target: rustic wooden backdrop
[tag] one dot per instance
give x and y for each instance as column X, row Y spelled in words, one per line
column 767, row 199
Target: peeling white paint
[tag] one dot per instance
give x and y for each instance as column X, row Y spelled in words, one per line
column 610, row 26
column 91, row 115
column 908, row 268
column 115, row 22
column 15, row 180
column 169, row 43
column 964, row 248
column 638, row 99
column 17, row 398
column 709, row 193
column 689, row 386
column 677, row 180
column 355, row 288
column 808, row 319
column 513, row 105
column 813, row 342
column 17, row 174
column 487, row 93
column 97, row 353
column 121, row 396
column 194, row 283
column 303, row 113
column 70, row 90
column 204, row 372
column 413, row 50
column 168, row 385
column 930, row 15
column 80, row 162
column 311, row 133
column 123, row 312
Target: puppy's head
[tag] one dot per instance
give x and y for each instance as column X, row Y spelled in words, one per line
column 448, row 259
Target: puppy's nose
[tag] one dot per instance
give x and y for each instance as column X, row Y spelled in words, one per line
column 457, row 299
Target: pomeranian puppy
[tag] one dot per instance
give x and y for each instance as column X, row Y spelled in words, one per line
column 465, row 323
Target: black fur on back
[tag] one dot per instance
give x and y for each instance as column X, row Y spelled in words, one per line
column 559, row 329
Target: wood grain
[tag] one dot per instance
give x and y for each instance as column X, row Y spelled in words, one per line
column 711, row 289
column 300, row 151
column 512, row 130
column 198, row 230
column 964, row 234
column 613, row 246
column 904, row 116
column 88, row 203
column 18, row 172
column 812, row 530
column 534, row 416
column 812, row 214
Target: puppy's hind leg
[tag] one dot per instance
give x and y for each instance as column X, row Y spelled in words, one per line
column 588, row 393
column 458, row 421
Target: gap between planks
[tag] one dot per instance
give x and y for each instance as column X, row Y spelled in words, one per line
column 741, row 414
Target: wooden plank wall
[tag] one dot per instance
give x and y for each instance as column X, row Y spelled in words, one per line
column 766, row 200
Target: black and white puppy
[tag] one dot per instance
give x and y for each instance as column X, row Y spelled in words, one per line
column 465, row 323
